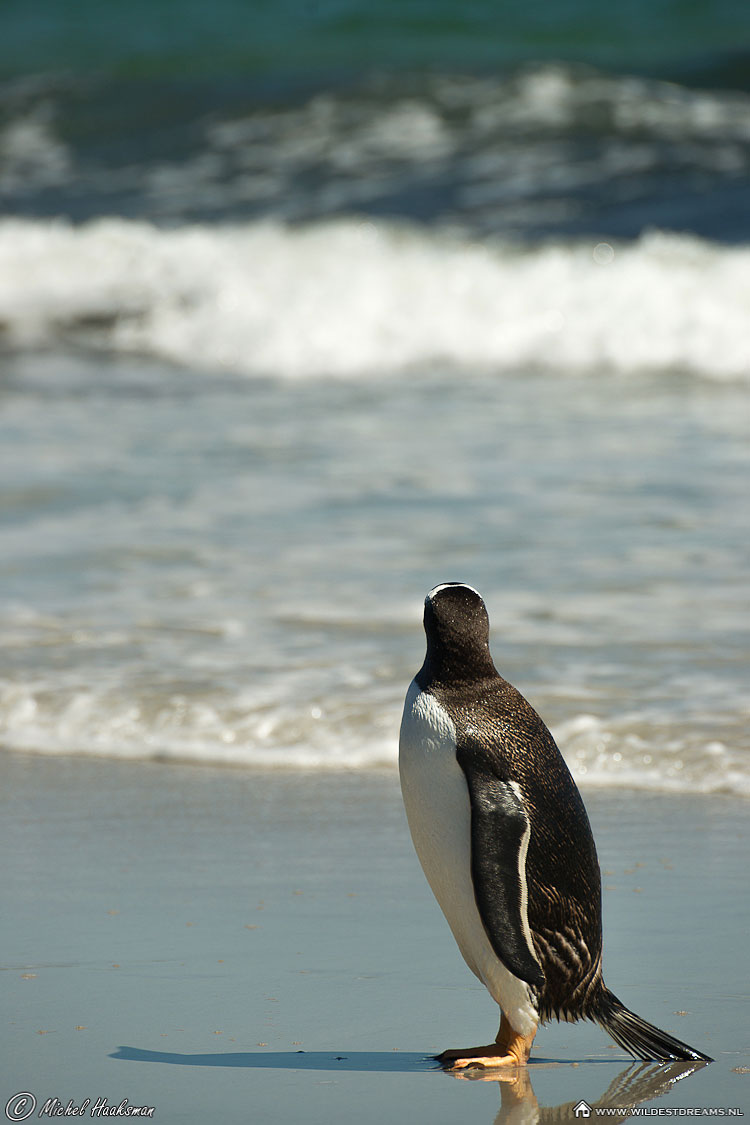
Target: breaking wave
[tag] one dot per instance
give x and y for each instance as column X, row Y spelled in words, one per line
column 354, row 297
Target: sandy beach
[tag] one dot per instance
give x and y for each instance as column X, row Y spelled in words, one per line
column 249, row 945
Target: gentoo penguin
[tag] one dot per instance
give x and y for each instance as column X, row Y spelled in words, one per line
column 504, row 840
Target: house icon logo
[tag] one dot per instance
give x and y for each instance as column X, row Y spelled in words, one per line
column 582, row 1110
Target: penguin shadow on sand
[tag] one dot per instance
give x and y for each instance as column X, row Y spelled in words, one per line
column 635, row 1084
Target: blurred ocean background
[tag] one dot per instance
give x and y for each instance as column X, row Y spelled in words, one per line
column 306, row 307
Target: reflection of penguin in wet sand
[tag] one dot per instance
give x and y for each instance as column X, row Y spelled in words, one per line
column 505, row 843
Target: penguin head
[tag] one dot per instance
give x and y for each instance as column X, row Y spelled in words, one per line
column 458, row 634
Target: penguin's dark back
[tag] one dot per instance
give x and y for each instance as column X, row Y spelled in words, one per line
column 561, row 860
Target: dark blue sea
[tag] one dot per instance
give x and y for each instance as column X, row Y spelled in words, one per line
column 562, row 119
column 306, row 307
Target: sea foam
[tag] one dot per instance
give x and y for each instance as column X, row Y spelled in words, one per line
column 348, row 298
column 103, row 721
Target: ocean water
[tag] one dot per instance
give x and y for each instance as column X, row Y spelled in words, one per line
column 295, row 326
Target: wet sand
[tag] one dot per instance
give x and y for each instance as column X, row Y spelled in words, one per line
column 247, row 945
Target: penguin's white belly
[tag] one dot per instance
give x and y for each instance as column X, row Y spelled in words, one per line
column 438, row 809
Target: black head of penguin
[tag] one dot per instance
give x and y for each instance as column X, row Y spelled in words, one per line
column 458, row 635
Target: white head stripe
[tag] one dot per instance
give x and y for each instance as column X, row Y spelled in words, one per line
column 445, row 585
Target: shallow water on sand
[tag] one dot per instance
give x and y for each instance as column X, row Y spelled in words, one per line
column 199, row 928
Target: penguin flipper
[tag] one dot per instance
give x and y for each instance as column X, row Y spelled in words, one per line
column 499, row 838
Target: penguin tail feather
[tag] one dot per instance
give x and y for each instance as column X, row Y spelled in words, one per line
column 638, row 1037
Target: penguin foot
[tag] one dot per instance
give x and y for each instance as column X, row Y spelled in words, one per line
column 484, row 1058
column 509, row 1049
